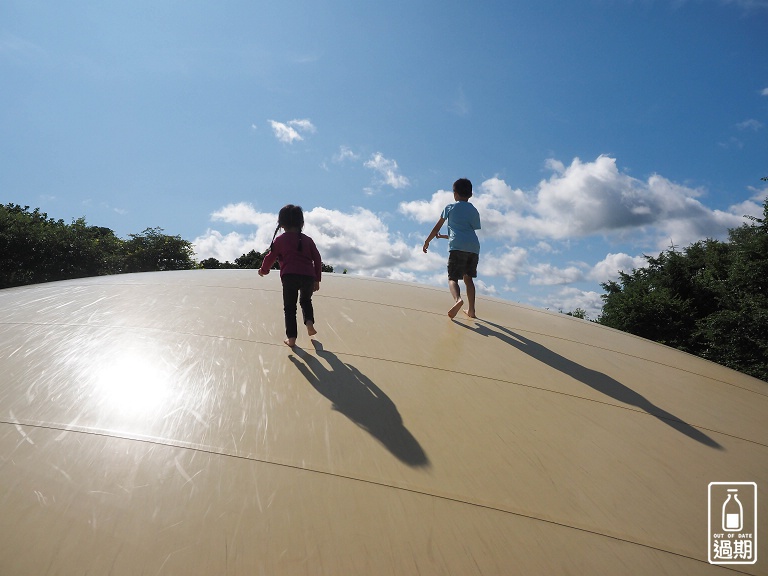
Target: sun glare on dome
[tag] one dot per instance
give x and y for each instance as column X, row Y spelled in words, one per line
column 133, row 382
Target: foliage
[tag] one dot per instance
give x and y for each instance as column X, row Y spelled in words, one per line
column 711, row 299
column 35, row 248
column 578, row 313
column 213, row 264
column 252, row 260
column 154, row 251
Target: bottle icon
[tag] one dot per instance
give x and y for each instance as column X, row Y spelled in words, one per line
column 733, row 512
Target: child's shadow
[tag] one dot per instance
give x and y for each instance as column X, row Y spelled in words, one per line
column 592, row 378
column 359, row 399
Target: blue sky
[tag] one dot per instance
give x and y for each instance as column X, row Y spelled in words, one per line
column 594, row 131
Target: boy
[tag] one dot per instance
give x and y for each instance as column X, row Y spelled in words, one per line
column 463, row 219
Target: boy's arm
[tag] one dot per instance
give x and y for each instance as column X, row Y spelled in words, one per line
column 434, row 234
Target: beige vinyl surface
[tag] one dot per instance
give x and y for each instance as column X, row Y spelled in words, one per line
column 156, row 424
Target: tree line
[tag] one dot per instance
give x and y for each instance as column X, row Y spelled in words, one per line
column 709, row 299
column 35, row 248
column 252, row 259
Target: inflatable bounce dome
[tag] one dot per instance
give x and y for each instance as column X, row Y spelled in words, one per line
column 157, row 424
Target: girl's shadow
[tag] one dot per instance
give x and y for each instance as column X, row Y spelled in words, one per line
column 359, row 399
column 592, row 378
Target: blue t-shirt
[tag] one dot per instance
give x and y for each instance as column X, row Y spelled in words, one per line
column 463, row 219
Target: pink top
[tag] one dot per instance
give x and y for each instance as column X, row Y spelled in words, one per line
column 285, row 250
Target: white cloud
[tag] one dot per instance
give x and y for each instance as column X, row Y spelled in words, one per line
column 548, row 275
column 764, row 92
column 226, row 248
column 501, row 208
column 750, row 124
column 523, row 231
column 303, row 125
column 345, row 153
column 359, row 241
column 292, row 131
column 544, row 247
column 387, row 170
column 608, row 268
column 753, row 206
column 587, row 199
column 427, row 211
column 508, row 262
column 732, row 143
column 240, row 213
column 568, row 299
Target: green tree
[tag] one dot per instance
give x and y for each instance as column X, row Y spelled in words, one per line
column 35, row 248
column 154, row 251
column 578, row 313
column 711, row 299
column 251, row 260
column 254, row 260
column 214, row 264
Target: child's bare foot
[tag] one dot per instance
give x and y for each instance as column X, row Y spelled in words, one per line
column 470, row 313
column 311, row 329
column 455, row 308
column 290, row 342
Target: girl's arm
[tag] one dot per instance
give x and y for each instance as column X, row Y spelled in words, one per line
column 269, row 259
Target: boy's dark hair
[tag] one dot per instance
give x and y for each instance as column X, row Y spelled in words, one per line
column 463, row 188
column 291, row 216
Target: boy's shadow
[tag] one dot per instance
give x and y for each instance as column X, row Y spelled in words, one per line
column 592, row 378
column 359, row 399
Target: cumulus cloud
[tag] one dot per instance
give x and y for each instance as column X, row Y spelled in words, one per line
column 227, row 247
column 610, row 266
column 427, row 211
column 292, row 131
column 580, row 204
column 586, row 199
column 752, row 207
column 387, row 170
column 240, row 213
column 358, row 240
column 548, row 275
column 568, row 299
column 508, row 262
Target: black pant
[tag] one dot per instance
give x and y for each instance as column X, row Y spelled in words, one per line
column 297, row 286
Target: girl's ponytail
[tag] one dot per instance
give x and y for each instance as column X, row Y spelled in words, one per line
column 272, row 243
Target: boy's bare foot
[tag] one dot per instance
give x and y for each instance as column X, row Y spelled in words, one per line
column 311, row 329
column 455, row 308
column 290, row 342
column 470, row 313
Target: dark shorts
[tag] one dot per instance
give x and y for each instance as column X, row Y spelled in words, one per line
column 462, row 264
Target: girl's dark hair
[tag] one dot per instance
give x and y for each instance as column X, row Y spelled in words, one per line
column 291, row 216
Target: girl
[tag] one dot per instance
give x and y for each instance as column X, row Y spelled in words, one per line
column 300, row 269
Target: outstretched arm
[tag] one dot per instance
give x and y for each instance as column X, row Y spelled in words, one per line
column 434, row 234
